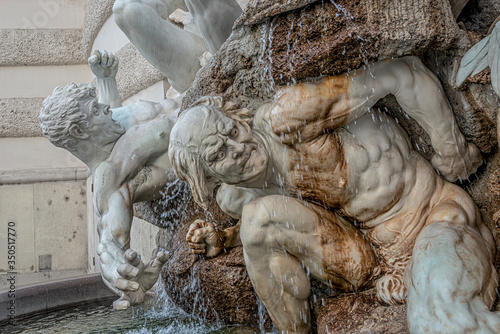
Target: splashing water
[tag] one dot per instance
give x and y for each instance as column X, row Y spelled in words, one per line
column 159, row 316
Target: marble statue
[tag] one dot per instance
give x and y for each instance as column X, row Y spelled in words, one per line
column 125, row 148
column 325, row 186
column 176, row 52
column 484, row 54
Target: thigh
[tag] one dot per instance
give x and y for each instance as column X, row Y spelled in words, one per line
column 451, row 280
column 330, row 248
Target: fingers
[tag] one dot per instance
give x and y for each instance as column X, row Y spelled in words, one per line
column 126, row 285
column 132, row 258
column 160, row 260
column 128, row 271
column 198, row 223
column 104, row 58
column 197, row 248
column 197, row 234
column 200, row 234
column 95, row 58
column 115, row 63
column 111, row 59
column 121, row 304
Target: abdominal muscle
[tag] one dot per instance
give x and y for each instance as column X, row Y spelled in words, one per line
column 395, row 188
column 389, row 189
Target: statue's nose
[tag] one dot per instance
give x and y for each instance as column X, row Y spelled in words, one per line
column 236, row 148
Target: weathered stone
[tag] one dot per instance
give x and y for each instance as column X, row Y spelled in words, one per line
column 478, row 15
column 280, row 42
column 213, row 289
column 20, row 117
column 216, row 289
column 277, row 45
column 98, row 11
column 135, row 72
column 34, row 47
column 360, row 313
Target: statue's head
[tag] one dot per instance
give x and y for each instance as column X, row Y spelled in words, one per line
column 209, row 146
column 72, row 114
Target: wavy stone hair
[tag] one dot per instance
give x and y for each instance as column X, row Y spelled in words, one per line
column 60, row 110
column 184, row 153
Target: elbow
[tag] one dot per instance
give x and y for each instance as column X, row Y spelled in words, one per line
column 412, row 73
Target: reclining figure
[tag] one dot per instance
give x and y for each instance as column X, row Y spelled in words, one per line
column 326, row 187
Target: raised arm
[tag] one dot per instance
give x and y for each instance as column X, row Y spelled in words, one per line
column 305, row 111
column 105, row 66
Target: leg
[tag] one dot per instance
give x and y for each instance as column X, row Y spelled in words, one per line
column 215, row 20
column 452, row 280
column 171, row 50
column 284, row 239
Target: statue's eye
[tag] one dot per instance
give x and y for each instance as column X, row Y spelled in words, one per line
column 221, row 155
column 94, row 109
column 234, row 132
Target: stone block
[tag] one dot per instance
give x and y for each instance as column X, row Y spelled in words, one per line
column 20, row 117
column 61, row 223
column 98, row 11
column 30, row 47
column 39, row 81
column 16, row 205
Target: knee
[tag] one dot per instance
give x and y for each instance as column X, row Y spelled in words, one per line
column 120, row 6
column 255, row 222
column 123, row 9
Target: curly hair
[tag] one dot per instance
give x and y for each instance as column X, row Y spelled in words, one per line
column 61, row 110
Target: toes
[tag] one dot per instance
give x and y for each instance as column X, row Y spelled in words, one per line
column 391, row 289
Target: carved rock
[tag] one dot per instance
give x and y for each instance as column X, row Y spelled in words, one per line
column 217, row 289
column 273, row 45
column 360, row 313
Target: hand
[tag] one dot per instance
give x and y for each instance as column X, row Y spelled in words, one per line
column 458, row 165
column 137, row 278
column 203, row 238
column 103, row 64
column 180, row 16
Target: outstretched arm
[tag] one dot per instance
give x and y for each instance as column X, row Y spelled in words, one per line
column 305, row 111
column 105, row 66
